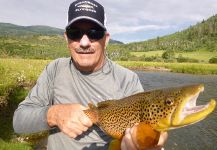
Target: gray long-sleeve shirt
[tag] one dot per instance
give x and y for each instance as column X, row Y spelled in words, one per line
column 62, row 83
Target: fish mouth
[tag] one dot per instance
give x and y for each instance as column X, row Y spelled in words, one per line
column 188, row 112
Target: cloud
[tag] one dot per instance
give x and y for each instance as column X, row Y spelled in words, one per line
column 162, row 16
column 127, row 17
column 130, row 29
column 34, row 12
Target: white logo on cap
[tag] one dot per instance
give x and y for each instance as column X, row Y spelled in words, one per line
column 85, row 6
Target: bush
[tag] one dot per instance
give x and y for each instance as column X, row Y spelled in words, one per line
column 170, row 60
column 135, row 58
column 168, row 54
column 151, row 58
column 181, row 59
column 213, row 60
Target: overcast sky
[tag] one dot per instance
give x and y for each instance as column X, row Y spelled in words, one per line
column 128, row 20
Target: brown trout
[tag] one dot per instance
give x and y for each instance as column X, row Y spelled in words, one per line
column 162, row 109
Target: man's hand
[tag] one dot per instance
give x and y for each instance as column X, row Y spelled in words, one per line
column 128, row 144
column 70, row 119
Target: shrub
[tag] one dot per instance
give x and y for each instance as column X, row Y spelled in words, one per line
column 181, row 59
column 213, row 60
column 168, row 54
column 151, row 58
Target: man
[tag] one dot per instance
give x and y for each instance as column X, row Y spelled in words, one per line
column 67, row 85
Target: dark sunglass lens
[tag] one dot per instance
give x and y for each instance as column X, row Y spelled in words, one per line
column 95, row 34
column 74, row 34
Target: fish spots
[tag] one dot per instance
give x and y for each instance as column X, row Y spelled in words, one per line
column 152, row 107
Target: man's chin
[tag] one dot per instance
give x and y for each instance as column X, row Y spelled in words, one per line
column 85, row 67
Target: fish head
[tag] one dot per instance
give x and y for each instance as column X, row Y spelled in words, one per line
column 176, row 107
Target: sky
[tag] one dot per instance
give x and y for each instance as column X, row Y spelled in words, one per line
column 127, row 20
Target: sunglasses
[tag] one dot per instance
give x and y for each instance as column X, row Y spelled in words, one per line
column 92, row 34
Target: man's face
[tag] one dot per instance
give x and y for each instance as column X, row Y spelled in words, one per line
column 88, row 54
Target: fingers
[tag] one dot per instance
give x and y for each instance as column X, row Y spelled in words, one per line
column 163, row 139
column 71, row 119
column 83, row 107
column 84, row 120
column 161, row 142
column 127, row 141
column 71, row 133
column 78, row 124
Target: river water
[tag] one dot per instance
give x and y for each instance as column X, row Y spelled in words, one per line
column 199, row 136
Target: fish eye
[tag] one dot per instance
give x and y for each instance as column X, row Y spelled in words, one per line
column 169, row 102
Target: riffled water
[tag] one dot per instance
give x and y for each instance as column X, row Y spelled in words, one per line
column 199, row 136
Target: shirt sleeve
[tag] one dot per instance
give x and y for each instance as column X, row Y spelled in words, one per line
column 133, row 85
column 30, row 116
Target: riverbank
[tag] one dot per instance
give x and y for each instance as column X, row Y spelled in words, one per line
column 190, row 68
column 35, row 66
column 150, row 68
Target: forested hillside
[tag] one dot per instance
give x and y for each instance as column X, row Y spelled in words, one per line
column 203, row 35
column 45, row 42
column 7, row 29
column 41, row 42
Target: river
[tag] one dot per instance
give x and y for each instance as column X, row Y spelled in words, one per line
column 199, row 136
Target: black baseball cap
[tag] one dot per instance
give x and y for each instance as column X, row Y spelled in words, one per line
column 86, row 10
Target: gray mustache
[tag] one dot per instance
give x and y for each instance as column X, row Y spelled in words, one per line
column 86, row 50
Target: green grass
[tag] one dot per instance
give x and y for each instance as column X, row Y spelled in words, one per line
column 147, row 54
column 17, row 76
column 193, row 68
column 7, row 135
column 14, row 146
column 16, row 71
column 201, row 55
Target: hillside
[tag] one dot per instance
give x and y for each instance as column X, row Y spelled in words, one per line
column 7, row 29
column 48, row 43
column 41, row 42
column 203, row 36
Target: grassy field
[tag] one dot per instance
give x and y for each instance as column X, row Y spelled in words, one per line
column 192, row 68
column 201, row 55
column 16, row 78
column 147, row 54
column 18, row 75
column 14, row 146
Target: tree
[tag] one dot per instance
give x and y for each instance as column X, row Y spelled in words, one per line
column 169, row 54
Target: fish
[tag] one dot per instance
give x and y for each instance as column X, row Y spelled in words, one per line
column 156, row 111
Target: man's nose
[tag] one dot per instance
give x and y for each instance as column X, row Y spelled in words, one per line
column 85, row 41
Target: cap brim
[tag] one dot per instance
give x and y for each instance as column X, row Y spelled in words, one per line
column 85, row 18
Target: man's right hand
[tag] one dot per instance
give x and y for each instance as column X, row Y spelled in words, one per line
column 70, row 119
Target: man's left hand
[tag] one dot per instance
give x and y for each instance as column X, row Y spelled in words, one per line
column 128, row 144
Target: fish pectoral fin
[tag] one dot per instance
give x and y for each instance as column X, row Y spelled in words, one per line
column 105, row 104
column 144, row 136
column 115, row 144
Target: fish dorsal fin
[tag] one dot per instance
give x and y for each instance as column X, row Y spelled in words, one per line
column 91, row 106
column 107, row 103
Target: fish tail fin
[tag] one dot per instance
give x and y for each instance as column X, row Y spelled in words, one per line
column 92, row 113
